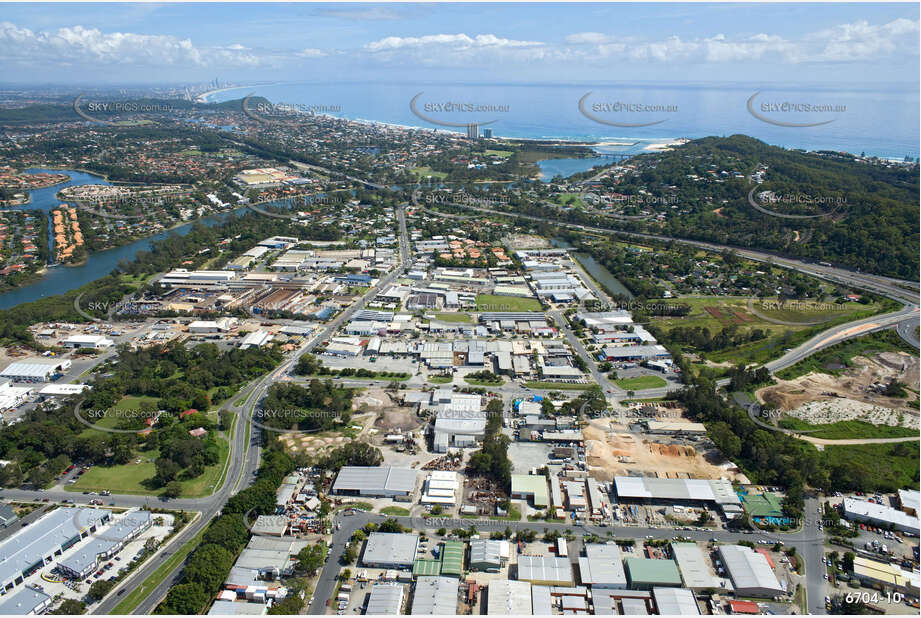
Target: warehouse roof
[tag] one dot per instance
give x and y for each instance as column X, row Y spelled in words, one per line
column 748, row 568
column 910, row 499
column 675, row 602
column 871, row 510
column 368, row 479
column 120, row 531
column 719, row 491
column 391, row 548
column 435, row 595
column 386, row 599
column 508, row 597
column 22, row 602
column 426, row 567
column 889, row 573
column 488, row 551
column 650, row 571
column 32, row 368
column 602, row 565
column 534, row 484
column 693, row 566
column 29, row 545
column 452, row 558
column 545, row 569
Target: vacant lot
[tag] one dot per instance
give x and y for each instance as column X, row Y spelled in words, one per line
column 640, row 383
column 490, row 302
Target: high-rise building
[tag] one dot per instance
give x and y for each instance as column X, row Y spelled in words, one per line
column 487, row 133
column 473, row 131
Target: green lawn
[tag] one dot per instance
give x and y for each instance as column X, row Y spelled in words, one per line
column 558, row 386
column 425, row 170
column 500, row 153
column 640, row 383
column 396, row 511
column 358, row 506
column 846, row 430
column 440, row 379
column 491, row 302
column 513, row 515
column 127, row 405
column 133, row 478
column 884, row 467
column 476, row 382
column 454, row 317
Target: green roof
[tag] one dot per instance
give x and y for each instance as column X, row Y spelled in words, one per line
column 452, row 558
column 647, row 571
column 532, row 484
column 426, row 567
column 763, row 505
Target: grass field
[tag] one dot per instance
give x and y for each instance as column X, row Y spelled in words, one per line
column 476, row 382
column 887, row 467
column 842, row 353
column 558, row 386
column 846, row 430
column 569, row 199
column 500, row 153
column 133, row 478
column 640, row 383
column 454, row 317
column 396, row 511
column 440, row 379
column 424, row 171
column 129, row 405
column 490, row 302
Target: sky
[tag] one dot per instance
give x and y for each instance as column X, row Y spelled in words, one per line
column 240, row 43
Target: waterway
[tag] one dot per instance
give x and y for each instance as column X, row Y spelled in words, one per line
column 61, row 279
column 602, row 275
column 550, row 168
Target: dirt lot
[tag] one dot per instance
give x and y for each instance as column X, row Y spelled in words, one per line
column 620, row 453
column 823, row 398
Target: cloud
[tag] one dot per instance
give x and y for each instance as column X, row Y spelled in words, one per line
column 453, row 41
column 377, row 13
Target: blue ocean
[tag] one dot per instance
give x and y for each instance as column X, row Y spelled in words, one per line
column 627, row 118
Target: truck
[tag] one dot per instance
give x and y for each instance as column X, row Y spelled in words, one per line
column 561, row 549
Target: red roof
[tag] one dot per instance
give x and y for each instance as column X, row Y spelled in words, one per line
column 767, row 554
column 744, row 607
column 188, row 413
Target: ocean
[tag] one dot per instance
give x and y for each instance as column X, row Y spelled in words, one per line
column 875, row 120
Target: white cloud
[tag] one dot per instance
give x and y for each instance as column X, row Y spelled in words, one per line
column 454, row 41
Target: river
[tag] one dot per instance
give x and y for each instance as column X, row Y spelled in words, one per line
column 62, row 279
column 602, row 275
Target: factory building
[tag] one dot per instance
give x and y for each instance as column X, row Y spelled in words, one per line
column 390, row 550
column 379, row 482
column 386, row 599
column 435, row 596
column 545, row 570
column 751, row 574
column 508, row 598
column 87, row 559
column 602, row 566
column 879, row 515
column 647, row 573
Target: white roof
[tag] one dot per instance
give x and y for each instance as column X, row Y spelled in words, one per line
column 63, row 389
column 602, row 565
column 386, row 478
column 719, row 491
column 910, row 499
column 386, row 599
column 693, row 566
column 879, row 512
column 675, row 602
column 435, row 595
column 31, row 368
column 508, row 597
column 545, row 569
column 749, row 569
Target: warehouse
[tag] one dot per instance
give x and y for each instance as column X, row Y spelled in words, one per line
column 25, row 602
column 86, row 560
column 435, row 596
column 751, row 574
column 270, row 558
column 381, row 482
column 36, row 546
column 635, row 352
column 695, row 573
column 35, row 370
column 682, row 491
column 545, row 570
column 452, row 559
column 602, row 566
column 390, row 550
column 646, row 573
column 675, row 602
column 256, row 339
column 386, row 599
column 879, row 515
column 92, row 342
column 506, row 597
column 440, row 488
column 675, row 427
column 531, row 486
column 488, row 555
column 909, row 500
column 892, row 577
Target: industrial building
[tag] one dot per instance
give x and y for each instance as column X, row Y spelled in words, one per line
column 602, row 566
column 86, row 560
column 879, row 515
column 92, row 342
column 612, row 602
column 545, row 570
column 35, row 370
column 25, row 602
column 488, row 555
column 751, row 574
column 531, row 487
column 270, row 558
column 390, row 550
column 452, row 559
column 37, row 545
column 459, row 422
column 695, row 573
column 386, row 599
column 891, row 576
column 909, row 500
column 435, row 596
column 440, row 487
column 508, row 598
column 675, row 602
column 647, row 573
column 682, row 491
column 381, row 482
column 7, row 515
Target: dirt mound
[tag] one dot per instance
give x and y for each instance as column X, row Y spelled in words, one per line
column 392, row 419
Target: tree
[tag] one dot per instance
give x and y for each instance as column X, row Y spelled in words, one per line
column 208, row 566
column 188, row 598
column 100, row 588
column 311, row 558
column 848, row 561
column 173, row 489
column 71, row 606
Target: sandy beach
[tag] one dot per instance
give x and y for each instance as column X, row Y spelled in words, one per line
column 659, row 147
